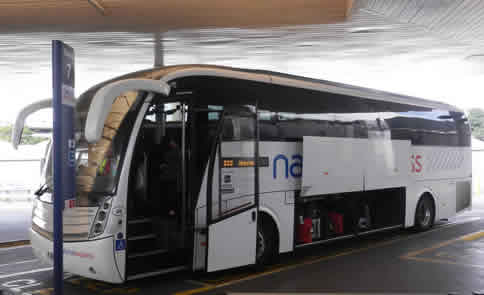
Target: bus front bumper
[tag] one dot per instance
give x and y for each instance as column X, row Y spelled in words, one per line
column 92, row 259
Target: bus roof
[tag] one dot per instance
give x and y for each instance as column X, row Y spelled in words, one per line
column 170, row 73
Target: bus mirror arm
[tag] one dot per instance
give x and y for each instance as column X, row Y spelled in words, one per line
column 104, row 98
column 18, row 127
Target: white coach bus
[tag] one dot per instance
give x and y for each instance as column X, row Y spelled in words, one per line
column 209, row 168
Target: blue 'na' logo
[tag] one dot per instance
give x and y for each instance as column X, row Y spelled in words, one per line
column 295, row 168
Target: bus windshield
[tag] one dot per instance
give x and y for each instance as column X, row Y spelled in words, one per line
column 98, row 164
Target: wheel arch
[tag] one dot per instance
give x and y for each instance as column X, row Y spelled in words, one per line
column 431, row 194
column 266, row 215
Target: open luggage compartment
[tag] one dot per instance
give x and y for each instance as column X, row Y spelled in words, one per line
column 330, row 217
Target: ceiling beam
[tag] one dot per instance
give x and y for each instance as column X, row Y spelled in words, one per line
column 96, row 4
column 349, row 7
column 162, row 15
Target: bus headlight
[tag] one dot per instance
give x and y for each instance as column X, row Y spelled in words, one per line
column 101, row 218
column 102, row 215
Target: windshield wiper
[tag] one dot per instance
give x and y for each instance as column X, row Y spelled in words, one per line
column 42, row 190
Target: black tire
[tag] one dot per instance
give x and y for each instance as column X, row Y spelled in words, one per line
column 266, row 242
column 424, row 213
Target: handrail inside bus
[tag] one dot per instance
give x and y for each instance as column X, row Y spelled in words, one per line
column 104, row 98
column 18, row 127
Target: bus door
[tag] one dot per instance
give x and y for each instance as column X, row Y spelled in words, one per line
column 232, row 199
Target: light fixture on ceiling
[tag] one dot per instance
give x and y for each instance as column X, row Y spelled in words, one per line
column 475, row 57
column 96, row 4
column 366, row 30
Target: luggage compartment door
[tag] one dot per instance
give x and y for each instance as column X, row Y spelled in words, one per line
column 333, row 165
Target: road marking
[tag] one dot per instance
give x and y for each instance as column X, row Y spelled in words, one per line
column 100, row 287
column 197, row 283
column 413, row 254
column 14, row 248
column 14, row 243
column 474, row 236
column 423, row 259
column 468, row 237
column 312, row 260
column 47, row 291
column 20, row 262
column 197, row 290
column 26, row 272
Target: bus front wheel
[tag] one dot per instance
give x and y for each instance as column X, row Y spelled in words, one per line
column 266, row 242
column 425, row 213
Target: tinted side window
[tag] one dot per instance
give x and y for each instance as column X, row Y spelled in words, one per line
column 431, row 128
column 239, row 124
column 289, row 113
column 463, row 129
column 285, row 126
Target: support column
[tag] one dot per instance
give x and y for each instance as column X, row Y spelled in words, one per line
column 158, row 50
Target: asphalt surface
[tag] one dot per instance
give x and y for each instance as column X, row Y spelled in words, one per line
column 387, row 268
column 15, row 221
column 448, row 258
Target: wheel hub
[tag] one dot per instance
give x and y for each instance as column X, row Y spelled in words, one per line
column 261, row 245
column 426, row 214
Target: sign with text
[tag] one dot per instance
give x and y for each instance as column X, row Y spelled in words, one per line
column 64, row 105
column 64, row 147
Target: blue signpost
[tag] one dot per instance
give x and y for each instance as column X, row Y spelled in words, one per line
column 64, row 148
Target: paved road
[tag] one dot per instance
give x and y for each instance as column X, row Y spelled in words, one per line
column 449, row 258
column 14, row 220
column 437, row 262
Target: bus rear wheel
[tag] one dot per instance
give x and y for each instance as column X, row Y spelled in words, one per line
column 425, row 213
column 266, row 243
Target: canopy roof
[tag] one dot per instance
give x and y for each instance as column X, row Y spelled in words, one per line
column 162, row 15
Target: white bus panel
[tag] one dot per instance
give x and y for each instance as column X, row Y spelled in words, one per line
column 333, row 165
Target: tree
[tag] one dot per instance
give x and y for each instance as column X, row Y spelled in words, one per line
column 476, row 118
column 27, row 136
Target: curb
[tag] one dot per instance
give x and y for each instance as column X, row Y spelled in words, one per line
column 16, row 199
column 10, row 244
